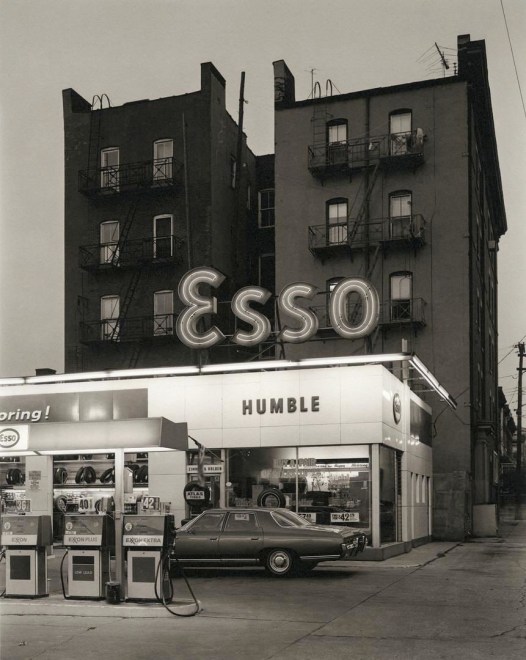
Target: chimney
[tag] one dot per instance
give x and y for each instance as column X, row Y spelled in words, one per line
column 284, row 88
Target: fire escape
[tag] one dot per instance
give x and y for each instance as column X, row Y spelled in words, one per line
column 125, row 186
column 370, row 156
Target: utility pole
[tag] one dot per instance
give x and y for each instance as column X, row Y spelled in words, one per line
column 518, row 468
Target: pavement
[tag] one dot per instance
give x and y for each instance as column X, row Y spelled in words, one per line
column 441, row 600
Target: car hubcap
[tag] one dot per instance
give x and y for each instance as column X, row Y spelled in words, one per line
column 280, row 562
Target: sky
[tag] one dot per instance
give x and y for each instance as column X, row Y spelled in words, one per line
column 147, row 49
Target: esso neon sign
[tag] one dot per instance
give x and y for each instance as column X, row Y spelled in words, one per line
column 198, row 305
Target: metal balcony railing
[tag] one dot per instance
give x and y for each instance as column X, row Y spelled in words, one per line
column 403, row 150
column 331, row 239
column 138, row 328
column 129, row 177
column 132, row 253
column 392, row 313
column 403, row 312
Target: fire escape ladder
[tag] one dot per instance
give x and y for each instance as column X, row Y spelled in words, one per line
column 124, row 232
column 365, row 205
column 118, row 327
column 95, row 131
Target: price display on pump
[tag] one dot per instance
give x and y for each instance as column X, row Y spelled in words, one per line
column 150, row 503
column 86, row 504
column 23, row 506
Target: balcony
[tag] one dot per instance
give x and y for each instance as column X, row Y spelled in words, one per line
column 403, row 313
column 394, row 151
column 140, row 328
column 332, row 240
column 160, row 251
column 154, row 175
column 392, row 314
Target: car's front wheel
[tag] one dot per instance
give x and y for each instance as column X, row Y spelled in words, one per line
column 280, row 562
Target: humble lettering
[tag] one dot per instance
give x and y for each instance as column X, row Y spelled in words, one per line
column 281, row 405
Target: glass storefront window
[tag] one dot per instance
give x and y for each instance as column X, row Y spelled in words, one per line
column 390, row 494
column 326, row 485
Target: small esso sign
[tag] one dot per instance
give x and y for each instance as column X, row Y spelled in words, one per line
column 9, row 438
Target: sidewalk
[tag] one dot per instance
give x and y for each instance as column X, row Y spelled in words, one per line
column 457, row 600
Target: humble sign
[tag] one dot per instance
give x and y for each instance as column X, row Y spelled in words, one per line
column 198, row 305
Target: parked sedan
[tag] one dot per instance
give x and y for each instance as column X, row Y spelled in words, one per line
column 278, row 539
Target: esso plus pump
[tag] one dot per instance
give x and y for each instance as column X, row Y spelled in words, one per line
column 90, row 540
column 147, row 540
column 26, row 539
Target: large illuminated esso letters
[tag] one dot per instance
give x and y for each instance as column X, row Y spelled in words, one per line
column 308, row 319
column 260, row 324
column 197, row 306
column 339, row 309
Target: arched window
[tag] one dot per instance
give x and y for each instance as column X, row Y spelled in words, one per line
column 109, row 315
column 337, row 150
column 400, row 203
column 163, row 151
column 163, row 236
column 400, row 127
column 163, row 313
column 401, row 296
column 337, row 220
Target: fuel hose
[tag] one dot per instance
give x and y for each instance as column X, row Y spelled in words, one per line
column 163, row 571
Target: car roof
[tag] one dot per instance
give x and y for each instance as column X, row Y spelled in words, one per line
column 238, row 509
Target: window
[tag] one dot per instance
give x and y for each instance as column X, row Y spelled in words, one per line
column 109, row 315
column 400, row 132
column 337, row 141
column 241, row 522
column 162, row 236
column 163, row 151
column 266, row 208
column 233, row 172
column 337, row 221
column 208, row 522
column 401, row 296
column 109, row 242
column 163, row 313
column 400, row 214
column 109, row 164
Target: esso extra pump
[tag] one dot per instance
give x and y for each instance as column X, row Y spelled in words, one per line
column 147, row 540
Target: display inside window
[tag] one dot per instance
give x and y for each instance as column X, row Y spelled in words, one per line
column 326, row 485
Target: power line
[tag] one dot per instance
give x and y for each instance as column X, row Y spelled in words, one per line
column 512, row 348
column 513, row 57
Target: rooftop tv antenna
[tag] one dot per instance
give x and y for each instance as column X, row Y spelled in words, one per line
column 436, row 59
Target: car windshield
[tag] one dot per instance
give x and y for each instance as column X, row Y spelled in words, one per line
column 287, row 518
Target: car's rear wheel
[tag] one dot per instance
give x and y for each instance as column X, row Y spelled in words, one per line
column 280, row 562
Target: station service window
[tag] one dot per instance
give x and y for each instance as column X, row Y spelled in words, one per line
column 326, row 485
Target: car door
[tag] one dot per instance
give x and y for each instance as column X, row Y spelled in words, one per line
column 200, row 540
column 241, row 537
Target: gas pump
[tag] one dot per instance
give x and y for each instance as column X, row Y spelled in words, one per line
column 90, row 540
column 147, row 540
column 26, row 539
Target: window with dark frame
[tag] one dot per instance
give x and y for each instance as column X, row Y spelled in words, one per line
column 266, row 208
